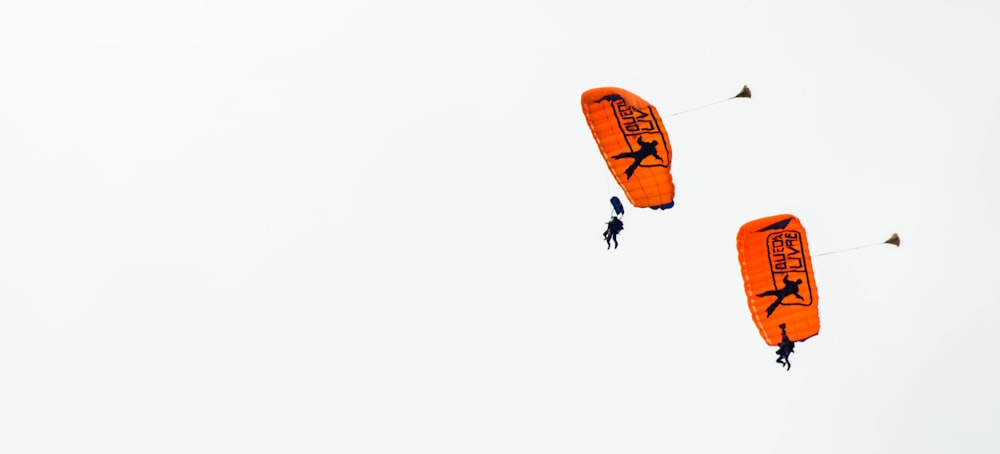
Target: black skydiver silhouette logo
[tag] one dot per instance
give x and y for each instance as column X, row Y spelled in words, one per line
column 790, row 288
column 646, row 149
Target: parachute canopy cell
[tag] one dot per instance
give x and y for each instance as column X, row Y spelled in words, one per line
column 778, row 278
column 631, row 137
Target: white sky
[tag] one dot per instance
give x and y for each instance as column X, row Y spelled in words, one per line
column 374, row 227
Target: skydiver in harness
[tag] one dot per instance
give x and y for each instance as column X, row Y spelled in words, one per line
column 615, row 226
column 785, row 348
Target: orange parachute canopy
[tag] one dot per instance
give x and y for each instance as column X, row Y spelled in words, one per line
column 634, row 143
column 778, row 277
